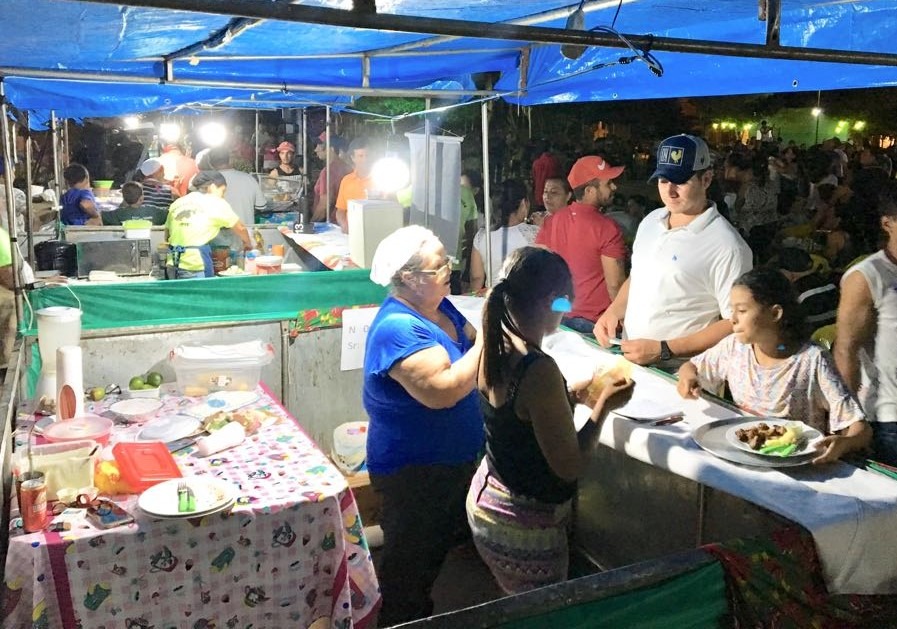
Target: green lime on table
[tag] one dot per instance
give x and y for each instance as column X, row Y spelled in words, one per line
column 154, row 378
column 136, row 383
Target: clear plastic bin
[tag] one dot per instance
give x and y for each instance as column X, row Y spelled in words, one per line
column 204, row 369
column 68, row 464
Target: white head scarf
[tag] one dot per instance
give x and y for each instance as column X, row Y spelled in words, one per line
column 395, row 250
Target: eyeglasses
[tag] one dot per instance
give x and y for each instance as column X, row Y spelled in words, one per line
column 440, row 271
column 561, row 304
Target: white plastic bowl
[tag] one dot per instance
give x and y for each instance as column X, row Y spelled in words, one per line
column 136, row 410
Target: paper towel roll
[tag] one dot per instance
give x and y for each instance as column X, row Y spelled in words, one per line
column 69, row 382
column 231, row 435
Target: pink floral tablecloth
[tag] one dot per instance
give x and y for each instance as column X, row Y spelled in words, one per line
column 291, row 553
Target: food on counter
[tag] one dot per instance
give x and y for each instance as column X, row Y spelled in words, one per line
column 152, row 380
column 46, row 405
column 606, row 375
column 763, row 436
column 250, row 419
column 96, row 394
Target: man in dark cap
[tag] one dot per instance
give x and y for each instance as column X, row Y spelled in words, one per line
column 816, row 293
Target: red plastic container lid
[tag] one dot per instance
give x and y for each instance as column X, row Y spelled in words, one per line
column 144, row 464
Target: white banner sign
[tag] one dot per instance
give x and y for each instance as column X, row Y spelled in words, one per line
column 356, row 323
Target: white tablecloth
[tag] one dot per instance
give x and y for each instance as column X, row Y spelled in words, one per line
column 851, row 513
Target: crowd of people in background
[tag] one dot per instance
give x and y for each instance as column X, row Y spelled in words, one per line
column 756, row 261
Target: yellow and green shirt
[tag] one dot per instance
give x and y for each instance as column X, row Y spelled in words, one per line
column 193, row 221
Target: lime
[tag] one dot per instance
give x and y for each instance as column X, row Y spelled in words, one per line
column 136, row 383
column 154, row 378
column 96, row 394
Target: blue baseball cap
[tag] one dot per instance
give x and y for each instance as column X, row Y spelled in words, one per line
column 680, row 157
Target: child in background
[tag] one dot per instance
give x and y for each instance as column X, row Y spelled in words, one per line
column 79, row 207
column 133, row 208
column 773, row 370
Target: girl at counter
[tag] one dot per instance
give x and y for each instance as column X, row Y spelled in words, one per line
column 773, row 370
column 519, row 503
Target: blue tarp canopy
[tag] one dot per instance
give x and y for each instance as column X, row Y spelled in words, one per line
column 87, row 59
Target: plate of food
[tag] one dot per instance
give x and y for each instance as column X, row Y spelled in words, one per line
column 774, row 437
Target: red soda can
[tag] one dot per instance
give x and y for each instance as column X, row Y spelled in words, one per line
column 33, row 505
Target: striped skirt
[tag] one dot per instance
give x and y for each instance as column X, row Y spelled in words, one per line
column 523, row 541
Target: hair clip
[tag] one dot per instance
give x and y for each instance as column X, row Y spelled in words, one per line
column 561, row 304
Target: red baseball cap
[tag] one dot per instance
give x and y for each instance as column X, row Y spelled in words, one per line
column 589, row 168
column 286, row 146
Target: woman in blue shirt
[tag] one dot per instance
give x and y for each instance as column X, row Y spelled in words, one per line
column 425, row 430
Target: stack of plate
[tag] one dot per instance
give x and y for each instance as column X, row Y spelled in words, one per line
column 212, row 495
column 719, row 438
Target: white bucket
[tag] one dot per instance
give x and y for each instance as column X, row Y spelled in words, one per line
column 350, row 446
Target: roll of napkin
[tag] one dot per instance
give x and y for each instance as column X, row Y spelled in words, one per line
column 69, row 382
column 231, row 435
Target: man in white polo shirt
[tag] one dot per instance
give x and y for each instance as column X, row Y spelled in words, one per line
column 685, row 259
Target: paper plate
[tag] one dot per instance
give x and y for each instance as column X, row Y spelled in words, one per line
column 212, row 494
column 805, row 445
column 169, row 429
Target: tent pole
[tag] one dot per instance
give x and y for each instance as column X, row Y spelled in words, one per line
column 29, row 204
column 65, row 75
column 304, row 144
column 258, row 167
column 302, row 13
column 57, row 173
column 427, row 164
column 65, row 141
column 8, row 176
column 487, row 193
column 327, row 163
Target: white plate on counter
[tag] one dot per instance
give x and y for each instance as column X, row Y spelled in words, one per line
column 168, row 429
column 712, row 438
column 212, row 495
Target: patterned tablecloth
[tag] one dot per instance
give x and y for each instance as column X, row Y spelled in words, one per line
column 291, row 553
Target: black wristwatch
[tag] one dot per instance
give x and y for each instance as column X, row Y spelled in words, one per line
column 665, row 352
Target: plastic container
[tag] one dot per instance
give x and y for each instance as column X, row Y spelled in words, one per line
column 56, row 326
column 137, row 228
column 203, row 369
column 102, row 184
column 268, row 265
column 80, row 428
column 68, row 464
column 144, row 464
column 350, row 446
column 249, row 262
column 152, row 392
column 136, row 410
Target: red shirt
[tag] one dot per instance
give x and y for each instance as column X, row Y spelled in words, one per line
column 545, row 167
column 582, row 235
column 338, row 170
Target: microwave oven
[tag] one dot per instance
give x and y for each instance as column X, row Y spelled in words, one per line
column 120, row 255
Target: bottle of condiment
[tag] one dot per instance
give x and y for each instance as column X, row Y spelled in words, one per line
column 249, row 262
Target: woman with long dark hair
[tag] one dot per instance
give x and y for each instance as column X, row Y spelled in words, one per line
column 773, row 370
column 519, row 503
column 511, row 232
